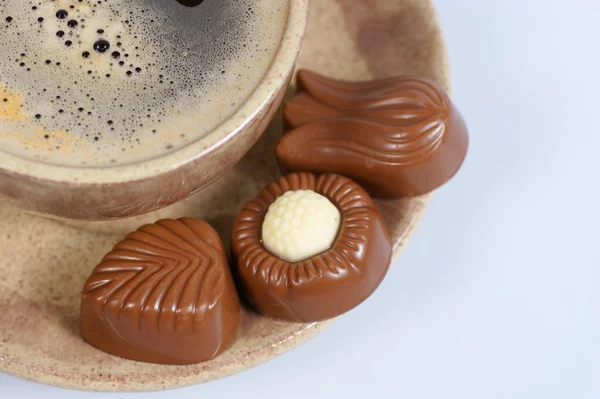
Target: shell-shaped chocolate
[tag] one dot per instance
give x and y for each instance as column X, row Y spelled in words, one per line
column 398, row 137
column 163, row 295
column 327, row 284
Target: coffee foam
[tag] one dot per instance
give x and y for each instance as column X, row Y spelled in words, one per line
column 184, row 71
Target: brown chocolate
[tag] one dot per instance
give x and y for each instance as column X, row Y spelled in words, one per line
column 397, row 137
column 328, row 284
column 164, row 294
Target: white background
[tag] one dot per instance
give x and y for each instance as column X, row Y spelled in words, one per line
column 498, row 293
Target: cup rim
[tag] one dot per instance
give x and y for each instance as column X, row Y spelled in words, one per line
column 253, row 106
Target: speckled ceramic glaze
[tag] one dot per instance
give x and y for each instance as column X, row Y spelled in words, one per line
column 44, row 263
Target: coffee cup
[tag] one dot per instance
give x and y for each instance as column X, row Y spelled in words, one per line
column 122, row 109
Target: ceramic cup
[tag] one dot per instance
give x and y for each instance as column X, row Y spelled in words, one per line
column 122, row 191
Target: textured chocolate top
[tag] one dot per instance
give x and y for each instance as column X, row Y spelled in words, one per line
column 327, row 284
column 163, row 295
column 397, row 137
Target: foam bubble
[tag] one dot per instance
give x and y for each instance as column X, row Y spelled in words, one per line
column 114, row 82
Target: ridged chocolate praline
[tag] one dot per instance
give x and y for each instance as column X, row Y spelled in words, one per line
column 328, row 284
column 396, row 137
column 163, row 295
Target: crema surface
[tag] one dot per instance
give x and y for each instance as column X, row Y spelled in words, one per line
column 112, row 82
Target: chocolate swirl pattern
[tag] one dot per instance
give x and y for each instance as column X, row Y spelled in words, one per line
column 327, row 284
column 163, row 295
column 398, row 137
column 380, row 100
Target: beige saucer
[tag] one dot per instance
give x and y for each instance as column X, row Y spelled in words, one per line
column 43, row 263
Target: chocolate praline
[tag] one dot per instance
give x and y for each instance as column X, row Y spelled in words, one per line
column 396, row 137
column 164, row 294
column 325, row 285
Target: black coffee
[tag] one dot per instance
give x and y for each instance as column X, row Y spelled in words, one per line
column 115, row 82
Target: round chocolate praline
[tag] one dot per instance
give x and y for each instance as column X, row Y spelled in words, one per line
column 325, row 285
